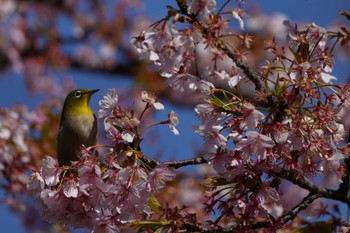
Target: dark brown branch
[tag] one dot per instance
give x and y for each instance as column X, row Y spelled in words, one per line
column 186, row 162
column 174, row 164
column 245, row 68
column 291, row 214
column 297, row 209
column 299, row 180
column 344, row 186
column 295, row 178
column 253, row 76
column 189, row 227
column 283, row 220
column 305, row 183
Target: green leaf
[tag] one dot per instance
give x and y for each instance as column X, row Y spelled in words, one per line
column 322, row 227
column 159, row 230
column 154, row 204
column 346, row 14
column 278, row 88
column 212, row 182
column 296, row 55
column 216, row 101
column 147, row 224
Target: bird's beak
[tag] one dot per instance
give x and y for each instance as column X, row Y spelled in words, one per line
column 90, row 93
column 93, row 91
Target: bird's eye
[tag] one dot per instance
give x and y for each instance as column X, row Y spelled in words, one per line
column 77, row 94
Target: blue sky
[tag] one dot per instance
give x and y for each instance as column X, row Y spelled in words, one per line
column 12, row 87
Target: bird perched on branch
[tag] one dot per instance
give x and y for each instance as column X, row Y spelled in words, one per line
column 78, row 126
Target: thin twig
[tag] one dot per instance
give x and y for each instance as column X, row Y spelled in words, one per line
column 298, row 208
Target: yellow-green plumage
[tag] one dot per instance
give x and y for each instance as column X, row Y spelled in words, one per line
column 78, row 126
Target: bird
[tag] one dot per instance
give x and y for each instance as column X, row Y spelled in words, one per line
column 78, row 126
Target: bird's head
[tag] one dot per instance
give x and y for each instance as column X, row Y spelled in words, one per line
column 77, row 102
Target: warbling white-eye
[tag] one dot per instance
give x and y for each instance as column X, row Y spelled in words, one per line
column 78, row 126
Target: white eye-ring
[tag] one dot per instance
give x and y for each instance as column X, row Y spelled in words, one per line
column 77, row 94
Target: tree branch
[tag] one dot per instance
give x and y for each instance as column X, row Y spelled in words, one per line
column 297, row 179
column 253, row 76
column 173, row 164
column 186, row 162
column 344, row 186
column 305, row 183
column 298, row 208
column 282, row 220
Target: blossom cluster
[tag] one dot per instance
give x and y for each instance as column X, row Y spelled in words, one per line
column 101, row 196
column 19, row 153
column 112, row 189
column 290, row 125
column 123, row 126
column 175, row 52
column 14, row 125
column 14, row 155
column 293, row 122
column 301, row 131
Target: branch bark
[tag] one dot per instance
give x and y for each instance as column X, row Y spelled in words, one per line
column 344, row 186
column 186, row 162
column 297, row 209
column 281, row 221
column 305, row 183
column 174, row 164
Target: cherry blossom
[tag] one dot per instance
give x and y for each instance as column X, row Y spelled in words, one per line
column 107, row 199
column 128, row 126
column 173, row 121
column 270, row 113
column 255, row 144
column 188, row 83
column 108, row 104
column 237, row 13
column 232, row 79
column 50, row 171
column 151, row 99
column 203, row 8
column 251, row 116
column 159, row 176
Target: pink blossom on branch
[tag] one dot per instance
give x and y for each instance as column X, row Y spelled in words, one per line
column 204, row 8
column 255, row 144
column 104, row 197
column 151, row 99
column 298, row 132
column 108, row 104
column 173, row 121
column 251, row 116
column 50, row 171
